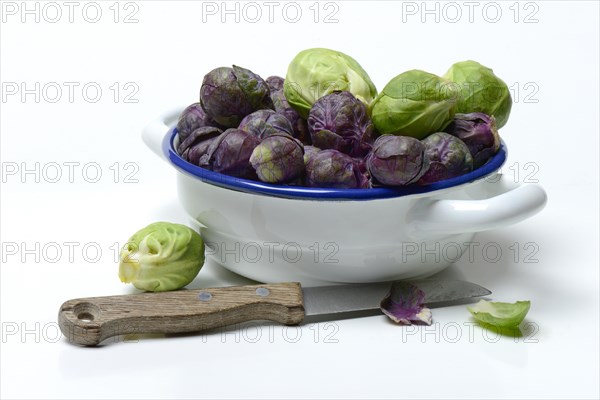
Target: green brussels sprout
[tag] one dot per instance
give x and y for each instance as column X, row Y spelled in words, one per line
column 414, row 103
column 162, row 256
column 278, row 158
column 229, row 94
column 313, row 73
column 480, row 91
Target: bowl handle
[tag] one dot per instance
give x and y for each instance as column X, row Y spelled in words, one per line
column 446, row 217
column 154, row 133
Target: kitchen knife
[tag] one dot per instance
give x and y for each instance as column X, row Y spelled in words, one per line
column 89, row 321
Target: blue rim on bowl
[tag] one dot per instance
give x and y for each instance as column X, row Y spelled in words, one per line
column 310, row 193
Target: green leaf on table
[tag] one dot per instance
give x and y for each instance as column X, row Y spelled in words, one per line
column 502, row 315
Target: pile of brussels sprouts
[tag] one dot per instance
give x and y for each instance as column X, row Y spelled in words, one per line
column 325, row 125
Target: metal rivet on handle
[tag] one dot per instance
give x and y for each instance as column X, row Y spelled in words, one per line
column 204, row 296
column 263, row 292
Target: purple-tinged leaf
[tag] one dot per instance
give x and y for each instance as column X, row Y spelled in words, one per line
column 404, row 304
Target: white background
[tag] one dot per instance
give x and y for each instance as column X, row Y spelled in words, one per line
column 547, row 53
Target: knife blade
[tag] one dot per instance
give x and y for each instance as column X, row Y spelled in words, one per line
column 89, row 321
column 362, row 297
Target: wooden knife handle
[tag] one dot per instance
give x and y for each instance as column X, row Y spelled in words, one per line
column 89, row 321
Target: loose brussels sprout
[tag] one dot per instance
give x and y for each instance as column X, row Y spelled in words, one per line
column 298, row 123
column 334, row 169
column 397, row 160
column 448, row 157
column 309, row 153
column 414, row 103
column 229, row 94
column 192, row 118
column 314, row 73
column 480, row 91
column 263, row 123
column 278, row 159
column 478, row 131
column 197, row 144
column 162, row 256
column 230, row 154
column 339, row 121
column 275, row 83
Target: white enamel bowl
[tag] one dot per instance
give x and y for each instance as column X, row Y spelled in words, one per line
column 273, row 233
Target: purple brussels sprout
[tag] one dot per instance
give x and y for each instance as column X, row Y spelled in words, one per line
column 229, row 94
column 197, row 144
column 230, row 154
column 275, row 83
column 298, row 123
column 264, row 123
column 334, row 169
column 339, row 121
column 192, row 118
column 278, row 159
column 309, row 153
column 448, row 157
column 478, row 131
column 397, row 160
